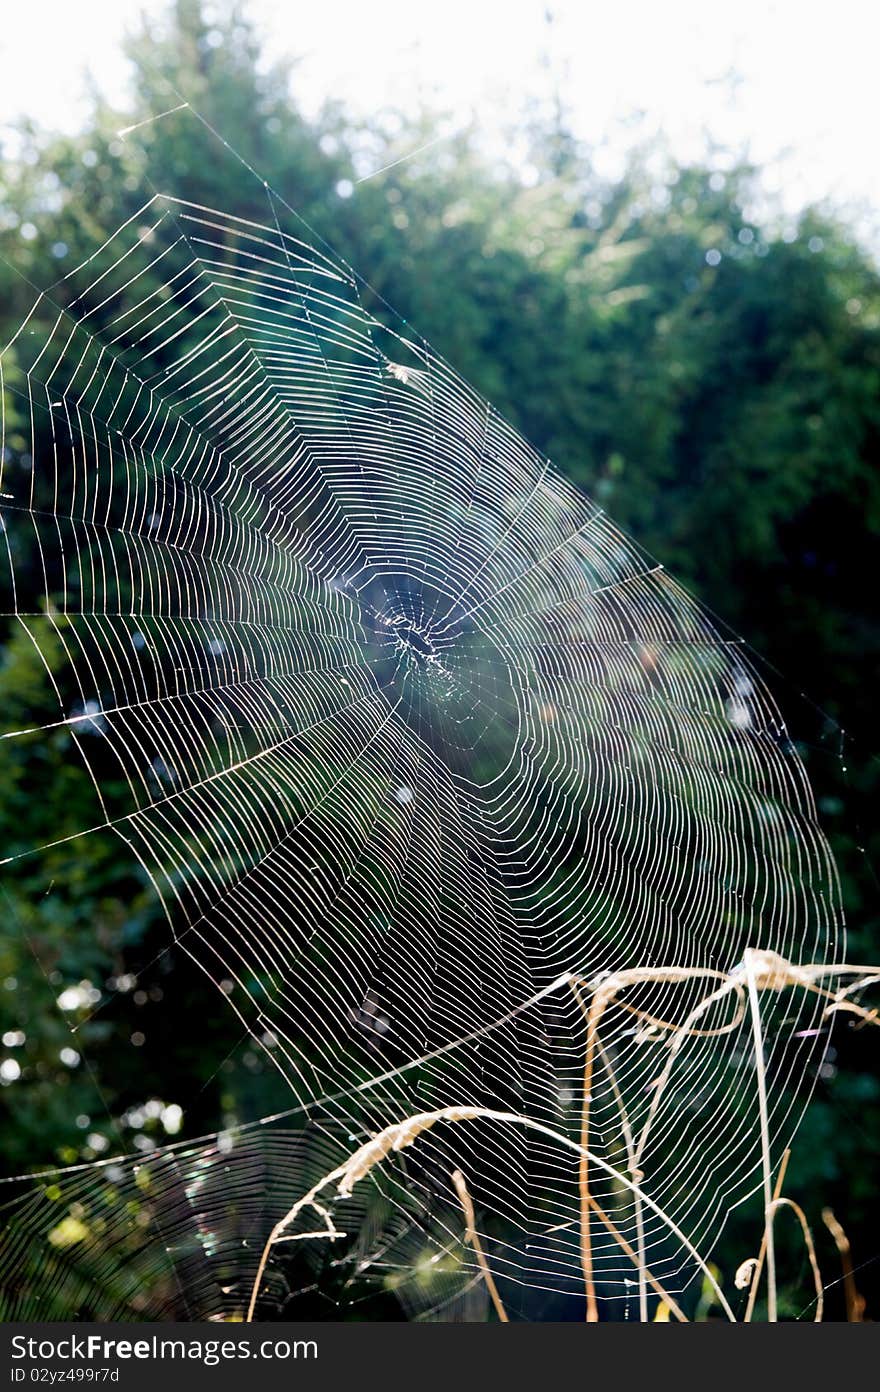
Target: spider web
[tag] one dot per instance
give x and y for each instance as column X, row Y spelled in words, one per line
column 403, row 730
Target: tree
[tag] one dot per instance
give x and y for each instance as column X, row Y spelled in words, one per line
column 711, row 380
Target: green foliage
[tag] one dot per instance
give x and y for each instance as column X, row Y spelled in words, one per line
column 711, row 379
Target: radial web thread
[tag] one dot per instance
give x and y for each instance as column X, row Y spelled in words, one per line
column 402, row 729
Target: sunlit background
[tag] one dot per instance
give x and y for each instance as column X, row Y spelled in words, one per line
column 790, row 86
column 648, row 232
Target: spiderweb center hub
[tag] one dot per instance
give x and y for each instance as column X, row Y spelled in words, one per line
column 446, row 678
column 416, row 644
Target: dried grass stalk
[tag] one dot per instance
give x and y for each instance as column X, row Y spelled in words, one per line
column 762, row 1252
column 855, row 1301
column 403, row 1133
column 761, row 970
column 811, row 1252
column 471, row 1235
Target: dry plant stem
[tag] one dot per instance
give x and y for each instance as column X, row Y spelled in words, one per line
column 764, row 970
column 635, row 1174
column 811, row 1251
column 762, row 1251
column 640, row 1249
column 867, row 1017
column 277, row 1233
column 597, row 1007
column 775, row 972
column 757, row 1036
column 683, row 1032
column 769, row 972
column 855, row 1301
column 637, row 1261
column 471, row 1236
column 603, row 994
column 402, row 1134
column 859, row 986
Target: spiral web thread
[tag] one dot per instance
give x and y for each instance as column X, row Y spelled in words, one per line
column 402, row 729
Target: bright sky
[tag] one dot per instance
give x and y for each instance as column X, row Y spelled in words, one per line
column 793, row 83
